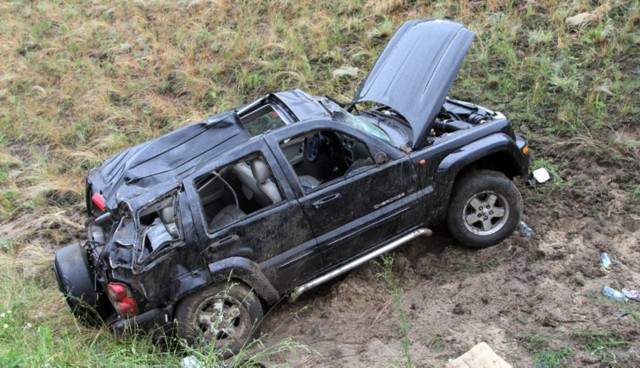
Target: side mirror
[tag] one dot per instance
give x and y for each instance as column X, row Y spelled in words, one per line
column 381, row 158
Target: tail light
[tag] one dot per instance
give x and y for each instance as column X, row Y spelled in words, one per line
column 99, row 201
column 122, row 299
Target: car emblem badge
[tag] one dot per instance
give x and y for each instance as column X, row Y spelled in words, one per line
column 386, row 202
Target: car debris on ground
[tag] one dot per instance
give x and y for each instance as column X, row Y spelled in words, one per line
column 480, row 356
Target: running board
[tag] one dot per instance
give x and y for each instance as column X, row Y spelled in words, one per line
column 357, row 262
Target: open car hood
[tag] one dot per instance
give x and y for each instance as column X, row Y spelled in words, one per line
column 416, row 70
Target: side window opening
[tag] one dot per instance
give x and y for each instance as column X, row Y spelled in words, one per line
column 236, row 190
column 159, row 226
column 323, row 156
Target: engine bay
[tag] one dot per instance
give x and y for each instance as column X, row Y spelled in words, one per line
column 459, row 115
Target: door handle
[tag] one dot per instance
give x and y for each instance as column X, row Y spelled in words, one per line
column 327, row 199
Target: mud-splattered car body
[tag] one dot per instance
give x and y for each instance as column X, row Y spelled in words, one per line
column 288, row 191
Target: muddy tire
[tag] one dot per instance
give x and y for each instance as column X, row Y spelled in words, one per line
column 226, row 316
column 485, row 208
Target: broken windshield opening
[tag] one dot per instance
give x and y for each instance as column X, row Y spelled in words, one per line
column 361, row 124
column 343, row 116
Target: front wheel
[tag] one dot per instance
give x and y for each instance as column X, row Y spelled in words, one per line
column 225, row 316
column 485, row 208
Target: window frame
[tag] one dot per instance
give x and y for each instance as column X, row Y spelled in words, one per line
column 341, row 135
column 141, row 258
column 274, row 138
column 253, row 154
column 255, row 107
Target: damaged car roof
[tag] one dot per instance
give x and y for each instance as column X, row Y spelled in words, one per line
column 167, row 158
column 415, row 71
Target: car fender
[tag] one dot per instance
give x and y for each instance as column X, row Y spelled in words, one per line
column 246, row 271
column 477, row 150
column 451, row 166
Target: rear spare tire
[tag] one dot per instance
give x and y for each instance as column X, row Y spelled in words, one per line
column 485, row 208
column 76, row 283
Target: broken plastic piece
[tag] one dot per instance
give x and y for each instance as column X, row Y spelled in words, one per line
column 480, row 355
column 525, row 229
column 613, row 293
column 191, row 362
column 632, row 294
column 539, row 176
column 606, row 261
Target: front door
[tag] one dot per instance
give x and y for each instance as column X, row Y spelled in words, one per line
column 352, row 203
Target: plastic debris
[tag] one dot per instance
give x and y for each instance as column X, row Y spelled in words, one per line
column 579, row 19
column 191, row 362
column 346, row 71
column 525, row 229
column 606, row 260
column 632, row 294
column 479, row 356
column 621, row 314
column 539, row 176
column 613, row 293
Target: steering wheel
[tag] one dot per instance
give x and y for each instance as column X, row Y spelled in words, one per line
column 313, row 147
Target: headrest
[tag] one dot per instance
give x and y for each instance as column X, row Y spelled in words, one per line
column 260, row 170
column 167, row 214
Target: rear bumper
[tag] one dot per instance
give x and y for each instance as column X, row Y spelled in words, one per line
column 156, row 322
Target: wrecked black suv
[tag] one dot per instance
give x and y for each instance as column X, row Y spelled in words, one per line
column 197, row 230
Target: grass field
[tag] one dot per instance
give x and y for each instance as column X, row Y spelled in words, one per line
column 81, row 80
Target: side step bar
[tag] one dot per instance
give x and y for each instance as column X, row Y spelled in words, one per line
column 357, row 262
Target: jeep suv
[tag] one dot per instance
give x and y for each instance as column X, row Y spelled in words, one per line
column 200, row 229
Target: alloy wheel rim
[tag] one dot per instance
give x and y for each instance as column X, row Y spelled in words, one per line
column 222, row 320
column 485, row 213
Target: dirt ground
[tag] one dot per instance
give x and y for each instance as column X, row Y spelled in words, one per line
column 522, row 296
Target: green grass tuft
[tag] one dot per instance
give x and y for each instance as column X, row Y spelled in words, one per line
column 553, row 358
column 386, row 273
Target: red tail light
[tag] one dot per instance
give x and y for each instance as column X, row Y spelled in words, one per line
column 122, row 299
column 98, row 200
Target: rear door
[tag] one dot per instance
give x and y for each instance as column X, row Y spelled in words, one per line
column 233, row 222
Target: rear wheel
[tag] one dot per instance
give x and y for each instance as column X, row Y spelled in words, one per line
column 222, row 315
column 485, row 208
